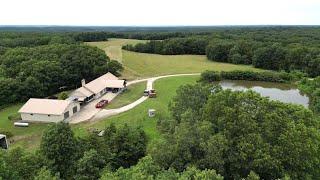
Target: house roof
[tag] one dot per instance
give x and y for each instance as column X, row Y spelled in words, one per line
column 45, row 106
column 100, row 83
column 115, row 83
column 107, row 80
column 82, row 92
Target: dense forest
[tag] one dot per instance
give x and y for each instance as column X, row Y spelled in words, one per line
column 277, row 49
column 39, row 66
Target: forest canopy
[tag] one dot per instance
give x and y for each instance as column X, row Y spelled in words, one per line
column 42, row 70
column 236, row 133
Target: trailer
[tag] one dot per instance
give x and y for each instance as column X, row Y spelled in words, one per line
column 21, row 124
column 3, row 142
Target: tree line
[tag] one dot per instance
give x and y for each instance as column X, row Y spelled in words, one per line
column 267, row 76
column 171, row 46
column 269, row 56
column 287, row 49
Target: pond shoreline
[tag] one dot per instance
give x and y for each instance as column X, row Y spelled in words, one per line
column 284, row 92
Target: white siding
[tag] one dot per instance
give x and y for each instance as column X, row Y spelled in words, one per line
column 41, row 117
column 49, row 118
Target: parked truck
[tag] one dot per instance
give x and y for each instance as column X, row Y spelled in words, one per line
column 150, row 93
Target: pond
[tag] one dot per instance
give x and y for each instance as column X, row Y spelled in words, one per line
column 286, row 93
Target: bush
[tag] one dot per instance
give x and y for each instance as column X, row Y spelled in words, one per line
column 210, row 76
column 14, row 117
column 63, row 95
column 280, row 77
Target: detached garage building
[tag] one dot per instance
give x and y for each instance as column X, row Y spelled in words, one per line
column 48, row 110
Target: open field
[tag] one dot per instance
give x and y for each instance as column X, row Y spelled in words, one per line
column 139, row 65
column 112, row 47
column 132, row 93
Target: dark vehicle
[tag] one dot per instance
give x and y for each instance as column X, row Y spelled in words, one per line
column 146, row 93
column 102, row 103
column 152, row 93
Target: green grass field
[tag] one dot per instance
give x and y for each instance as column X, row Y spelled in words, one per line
column 138, row 65
column 112, row 47
column 27, row 137
column 166, row 89
column 132, row 93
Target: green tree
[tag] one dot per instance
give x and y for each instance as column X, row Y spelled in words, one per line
column 219, row 51
column 59, row 146
column 272, row 57
column 89, row 166
column 5, row 171
column 115, row 67
column 239, row 132
column 126, row 144
column 197, row 96
column 63, row 95
column 196, row 174
column 45, row 174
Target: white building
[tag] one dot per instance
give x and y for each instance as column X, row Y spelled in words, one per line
column 48, row 110
column 98, row 87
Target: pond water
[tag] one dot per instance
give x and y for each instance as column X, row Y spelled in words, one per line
column 286, row 93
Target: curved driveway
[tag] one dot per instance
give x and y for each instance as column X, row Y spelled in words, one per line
column 89, row 112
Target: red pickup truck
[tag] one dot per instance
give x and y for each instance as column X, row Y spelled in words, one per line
column 102, row 103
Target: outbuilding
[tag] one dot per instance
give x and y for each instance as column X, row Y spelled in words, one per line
column 48, row 110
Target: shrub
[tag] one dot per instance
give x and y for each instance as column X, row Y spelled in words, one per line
column 210, row 76
column 14, row 117
column 280, row 77
column 63, row 95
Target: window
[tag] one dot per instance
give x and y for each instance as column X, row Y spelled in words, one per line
column 75, row 109
column 66, row 115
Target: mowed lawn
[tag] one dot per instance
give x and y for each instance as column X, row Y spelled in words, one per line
column 139, row 65
column 113, row 48
column 133, row 92
column 138, row 117
column 149, row 65
column 27, row 137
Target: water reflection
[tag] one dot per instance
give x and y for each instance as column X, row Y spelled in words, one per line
column 286, row 93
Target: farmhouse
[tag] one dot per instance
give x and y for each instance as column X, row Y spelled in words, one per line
column 48, row 110
column 98, row 87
